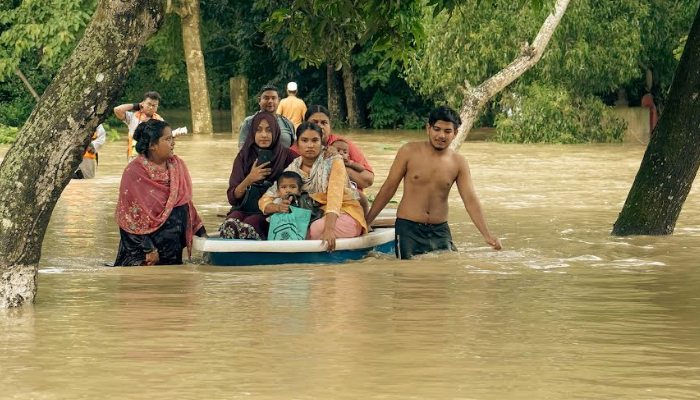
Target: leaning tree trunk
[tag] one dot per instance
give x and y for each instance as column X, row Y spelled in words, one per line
column 196, row 73
column 335, row 106
column 673, row 155
column 355, row 114
column 476, row 98
column 50, row 145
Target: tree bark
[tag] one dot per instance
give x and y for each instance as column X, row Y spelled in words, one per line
column 196, row 73
column 355, row 114
column 476, row 98
column 335, row 106
column 29, row 86
column 50, row 146
column 671, row 160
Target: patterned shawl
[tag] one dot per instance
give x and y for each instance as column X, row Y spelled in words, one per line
column 148, row 194
column 317, row 180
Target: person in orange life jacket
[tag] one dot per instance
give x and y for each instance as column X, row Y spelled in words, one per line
column 137, row 113
column 86, row 169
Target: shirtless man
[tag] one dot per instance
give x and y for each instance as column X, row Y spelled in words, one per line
column 429, row 169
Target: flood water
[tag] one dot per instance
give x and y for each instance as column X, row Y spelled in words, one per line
column 565, row 311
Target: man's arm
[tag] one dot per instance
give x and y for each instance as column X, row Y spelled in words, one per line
column 363, row 179
column 120, row 111
column 472, row 204
column 388, row 189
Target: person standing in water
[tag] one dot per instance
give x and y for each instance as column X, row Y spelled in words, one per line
column 429, row 169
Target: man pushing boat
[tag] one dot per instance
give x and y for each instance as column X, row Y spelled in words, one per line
column 429, row 169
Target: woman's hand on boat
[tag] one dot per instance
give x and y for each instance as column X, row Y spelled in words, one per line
column 259, row 172
column 328, row 239
column 151, row 258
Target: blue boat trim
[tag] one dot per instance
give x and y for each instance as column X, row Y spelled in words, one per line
column 255, row 258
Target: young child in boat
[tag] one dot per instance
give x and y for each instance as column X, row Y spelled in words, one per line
column 344, row 150
column 285, row 226
column 288, row 190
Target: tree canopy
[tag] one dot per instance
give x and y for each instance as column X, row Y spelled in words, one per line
column 407, row 54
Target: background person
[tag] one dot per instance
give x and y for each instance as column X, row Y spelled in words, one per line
column 87, row 167
column 137, row 113
column 292, row 107
column 269, row 100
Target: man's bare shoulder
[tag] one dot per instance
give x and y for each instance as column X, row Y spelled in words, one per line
column 412, row 148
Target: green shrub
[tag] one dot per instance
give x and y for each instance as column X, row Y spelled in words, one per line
column 112, row 134
column 7, row 134
column 545, row 114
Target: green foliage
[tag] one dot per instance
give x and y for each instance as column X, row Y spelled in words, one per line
column 662, row 33
column 390, row 101
column 678, row 51
column 547, row 114
column 7, row 134
column 16, row 103
column 595, row 49
column 319, row 31
column 45, row 29
column 112, row 134
column 166, row 47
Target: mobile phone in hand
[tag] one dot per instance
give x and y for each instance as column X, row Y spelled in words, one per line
column 264, row 155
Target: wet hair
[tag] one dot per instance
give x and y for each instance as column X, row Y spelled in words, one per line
column 444, row 113
column 148, row 133
column 152, row 96
column 267, row 88
column 306, row 126
column 290, row 175
column 316, row 109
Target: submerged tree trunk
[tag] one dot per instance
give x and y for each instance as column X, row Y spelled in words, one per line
column 50, row 146
column 672, row 158
column 355, row 114
column 476, row 98
column 335, row 106
column 196, row 73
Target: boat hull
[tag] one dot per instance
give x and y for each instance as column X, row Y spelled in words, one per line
column 233, row 252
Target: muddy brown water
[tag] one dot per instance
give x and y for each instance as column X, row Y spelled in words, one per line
column 565, row 311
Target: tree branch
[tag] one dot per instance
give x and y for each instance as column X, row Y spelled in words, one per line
column 21, row 76
column 529, row 56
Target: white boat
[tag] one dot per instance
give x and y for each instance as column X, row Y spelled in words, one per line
column 240, row 252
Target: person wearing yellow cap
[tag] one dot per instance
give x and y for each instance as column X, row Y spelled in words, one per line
column 292, row 107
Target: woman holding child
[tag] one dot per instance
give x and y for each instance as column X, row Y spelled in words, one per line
column 250, row 179
column 326, row 181
column 155, row 213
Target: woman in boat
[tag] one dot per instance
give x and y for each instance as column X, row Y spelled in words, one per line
column 321, row 117
column 250, row 179
column 326, row 181
column 155, row 213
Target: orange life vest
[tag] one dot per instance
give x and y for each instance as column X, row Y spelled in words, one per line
column 87, row 153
